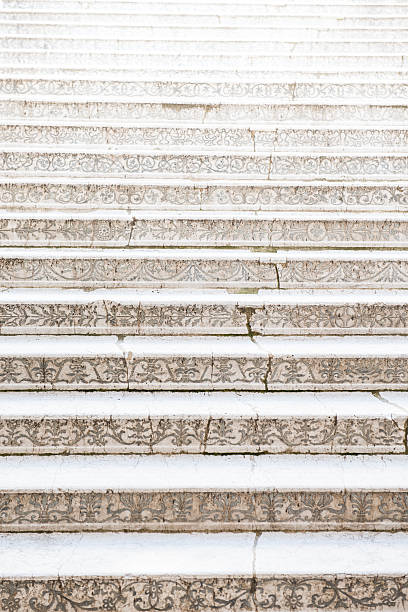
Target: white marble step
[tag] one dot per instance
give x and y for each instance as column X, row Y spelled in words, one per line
column 202, row 423
column 65, row 193
column 165, row 136
column 240, row 569
column 233, row 269
column 205, row 229
column 120, row 162
column 211, row 8
column 185, row 111
column 94, row 17
column 24, row 58
column 184, row 47
column 38, row 363
column 113, row 311
column 133, row 31
column 203, row 493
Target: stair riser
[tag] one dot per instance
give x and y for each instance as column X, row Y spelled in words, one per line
column 108, row 196
column 287, row 92
column 257, row 34
column 244, row 114
column 183, row 593
column 187, row 232
column 98, row 318
column 172, row 436
column 240, row 273
column 238, row 47
column 190, row 166
column 113, row 61
column 193, row 138
column 191, row 373
column 192, row 511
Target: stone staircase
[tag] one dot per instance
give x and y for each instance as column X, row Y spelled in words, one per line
column 203, row 315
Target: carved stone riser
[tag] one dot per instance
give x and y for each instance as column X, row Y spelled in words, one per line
column 189, row 373
column 312, row 91
column 196, row 165
column 191, row 511
column 240, row 47
column 234, row 272
column 204, row 232
column 213, row 197
column 201, row 112
column 204, row 594
column 215, row 435
column 76, row 59
column 105, row 317
column 202, row 138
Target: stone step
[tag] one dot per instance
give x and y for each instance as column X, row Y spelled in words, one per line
column 24, row 58
column 122, row 162
column 62, row 193
column 126, row 113
column 227, row 572
column 248, row 20
column 165, row 313
column 202, row 423
column 233, row 269
column 76, row 363
column 211, row 76
column 205, row 229
column 166, row 136
column 203, row 493
column 135, row 32
column 339, row 9
column 183, row 47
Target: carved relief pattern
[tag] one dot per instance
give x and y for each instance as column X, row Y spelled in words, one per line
column 205, row 232
column 211, row 272
column 174, row 89
column 198, row 112
column 143, row 319
column 172, row 435
column 184, row 197
column 149, row 272
column 201, row 373
column 224, row 594
column 205, row 137
column 266, row 510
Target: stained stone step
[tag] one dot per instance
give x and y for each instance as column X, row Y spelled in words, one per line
column 64, row 193
column 75, row 363
column 162, row 313
column 23, row 58
column 203, row 493
column 167, row 136
column 123, row 112
column 216, row 571
column 133, row 31
column 123, row 163
column 202, row 423
column 184, row 47
column 212, row 8
column 198, row 268
column 205, row 229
